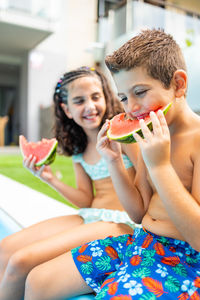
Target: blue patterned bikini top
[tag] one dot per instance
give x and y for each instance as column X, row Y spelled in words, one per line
column 100, row 169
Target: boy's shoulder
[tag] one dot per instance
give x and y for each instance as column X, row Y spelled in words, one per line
column 190, row 121
column 194, row 124
column 187, row 138
column 192, row 133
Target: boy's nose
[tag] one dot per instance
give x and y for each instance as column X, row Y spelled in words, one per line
column 133, row 106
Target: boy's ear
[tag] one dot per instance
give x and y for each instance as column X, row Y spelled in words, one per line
column 66, row 110
column 180, row 83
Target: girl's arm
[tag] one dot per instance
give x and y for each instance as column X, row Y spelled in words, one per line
column 82, row 196
column 182, row 207
column 127, row 192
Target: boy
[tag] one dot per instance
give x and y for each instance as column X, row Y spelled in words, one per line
column 161, row 259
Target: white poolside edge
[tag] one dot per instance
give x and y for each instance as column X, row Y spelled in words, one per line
column 28, row 206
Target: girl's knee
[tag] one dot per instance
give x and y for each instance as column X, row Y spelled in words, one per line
column 19, row 264
column 5, row 249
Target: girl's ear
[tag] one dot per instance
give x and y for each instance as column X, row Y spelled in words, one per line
column 66, row 110
column 180, row 83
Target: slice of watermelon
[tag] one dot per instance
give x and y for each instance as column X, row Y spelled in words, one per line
column 44, row 150
column 121, row 128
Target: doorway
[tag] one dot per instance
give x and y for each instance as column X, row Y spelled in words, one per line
column 9, row 104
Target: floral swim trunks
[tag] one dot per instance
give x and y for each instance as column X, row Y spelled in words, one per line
column 141, row 266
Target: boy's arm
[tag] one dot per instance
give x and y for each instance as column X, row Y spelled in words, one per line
column 127, row 192
column 182, row 207
column 141, row 181
column 140, row 178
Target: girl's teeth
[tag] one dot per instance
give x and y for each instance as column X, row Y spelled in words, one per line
column 90, row 117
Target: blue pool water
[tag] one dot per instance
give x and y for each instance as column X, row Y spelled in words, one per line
column 9, row 226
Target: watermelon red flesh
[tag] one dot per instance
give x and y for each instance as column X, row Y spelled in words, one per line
column 42, row 150
column 122, row 125
column 122, row 128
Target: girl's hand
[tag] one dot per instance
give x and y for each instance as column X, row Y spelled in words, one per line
column 43, row 172
column 108, row 149
column 155, row 146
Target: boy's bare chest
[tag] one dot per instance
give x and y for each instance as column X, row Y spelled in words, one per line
column 181, row 160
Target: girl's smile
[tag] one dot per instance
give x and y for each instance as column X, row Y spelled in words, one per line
column 86, row 102
column 90, row 117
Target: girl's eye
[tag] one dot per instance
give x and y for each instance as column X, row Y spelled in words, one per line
column 95, row 97
column 79, row 101
column 122, row 97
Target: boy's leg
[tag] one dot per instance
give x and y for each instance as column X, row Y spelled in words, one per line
column 24, row 260
column 56, row 279
column 60, row 278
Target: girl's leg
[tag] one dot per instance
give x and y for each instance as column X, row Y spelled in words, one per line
column 57, row 279
column 14, row 259
column 32, row 234
column 24, row 260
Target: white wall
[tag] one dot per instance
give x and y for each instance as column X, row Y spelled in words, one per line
column 61, row 52
column 81, row 31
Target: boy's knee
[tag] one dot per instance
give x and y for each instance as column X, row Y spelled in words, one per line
column 35, row 286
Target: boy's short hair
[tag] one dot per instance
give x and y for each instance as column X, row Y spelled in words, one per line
column 152, row 49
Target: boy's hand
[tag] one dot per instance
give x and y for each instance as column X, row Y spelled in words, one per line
column 155, row 146
column 43, row 172
column 108, row 149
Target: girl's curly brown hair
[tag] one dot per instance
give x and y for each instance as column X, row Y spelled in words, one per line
column 71, row 137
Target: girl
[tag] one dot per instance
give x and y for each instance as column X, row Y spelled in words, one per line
column 83, row 101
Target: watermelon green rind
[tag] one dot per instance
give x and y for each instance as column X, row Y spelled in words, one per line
column 50, row 158
column 128, row 139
